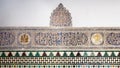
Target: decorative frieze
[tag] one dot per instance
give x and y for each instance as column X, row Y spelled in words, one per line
column 60, row 37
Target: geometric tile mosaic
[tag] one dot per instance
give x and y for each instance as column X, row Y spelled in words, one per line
column 60, row 57
column 60, row 54
column 59, row 66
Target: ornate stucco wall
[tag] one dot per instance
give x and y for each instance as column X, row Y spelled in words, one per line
column 60, row 45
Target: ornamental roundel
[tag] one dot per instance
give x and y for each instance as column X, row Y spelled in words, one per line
column 24, row 38
column 6, row 38
column 113, row 38
column 61, row 38
column 97, row 38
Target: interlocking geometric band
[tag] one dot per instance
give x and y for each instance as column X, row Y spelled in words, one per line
column 60, row 54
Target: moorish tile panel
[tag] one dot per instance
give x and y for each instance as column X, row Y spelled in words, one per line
column 47, row 47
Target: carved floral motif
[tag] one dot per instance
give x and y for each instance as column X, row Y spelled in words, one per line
column 113, row 38
column 61, row 38
column 6, row 38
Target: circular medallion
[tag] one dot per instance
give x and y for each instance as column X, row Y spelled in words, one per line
column 97, row 38
column 24, row 39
